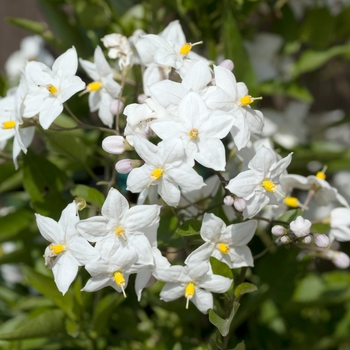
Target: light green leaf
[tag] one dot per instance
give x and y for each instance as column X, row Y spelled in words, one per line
column 46, row 324
column 47, row 287
column 220, row 268
column 72, row 328
column 244, row 288
column 223, row 325
column 90, row 194
column 189, row 228
column 290, row 215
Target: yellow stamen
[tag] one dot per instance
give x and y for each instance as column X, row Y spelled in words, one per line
column 321, row 174
column 120, row 232
column 292, row 202
column 269, row 186
column 120, row 281
column 52, row 89
column 193, row 133
column 186, row 48
column 189, row 292
column 247, row 100
column 156, row 174
column 57, row 249
column 94, row 86
column 9, row 124
column 224, row 248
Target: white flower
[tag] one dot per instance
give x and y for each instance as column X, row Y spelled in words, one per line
column 67, row 250
column 49, row 89
column 300, row 226
column 227, row 244
column 194, row 282
column 164, row 167
column 104, row 89
column 258, row 186
column 340, row 224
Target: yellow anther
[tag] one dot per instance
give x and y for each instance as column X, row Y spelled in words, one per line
column 292, row 202
column 120, row 281
column 52, row 89
column 94, row 86
column 57, row 249
column 269, row 186
column 189, row 292
column 193, row 133
column 186, row 48
column 321, row 175
column 120, row 232
column 10, row 124
column 156, row 174
column 247, row 100
column 223, row 248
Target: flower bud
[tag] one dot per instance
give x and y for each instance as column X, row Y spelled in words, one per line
column 300, row 226
column 142, row 98
column 116, row 107
column 115, row 144
column 228, row 64
column 307, row 239
column 339, row 259
column 240, row 204
column 321, row 240
column 124, row 166
column 278, row 230
column 228, row 201
column 285, row 239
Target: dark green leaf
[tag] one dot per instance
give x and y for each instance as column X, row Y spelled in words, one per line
column 244, row 288
column 92, row 15
column 90, row 194
column 223, row 325
column 10, row 178
column 220, row 268
column 189, row 228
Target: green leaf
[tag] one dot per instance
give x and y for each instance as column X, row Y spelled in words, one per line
column 244, row 288
column 220, row 268
column 72, row 328
column 290, row 215
column 17, row 256
column 189, row 228
column 223, row 325
column 46, row 324
column 47, row 287
column 92, row 15
column 10, row 178
column 240, row 346
column 90, row 194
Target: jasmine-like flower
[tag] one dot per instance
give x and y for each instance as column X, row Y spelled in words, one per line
column 300, row 226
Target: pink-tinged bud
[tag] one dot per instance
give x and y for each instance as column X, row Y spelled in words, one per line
column 114, row 144
column 278, row 230
column 339, row 259
column 124, row 166
column 285, row 239
column 321, row 240
column 116, row 107
column 228, row 64
column 240, row 204
column 307, row 239
column 142, row 98
column 228, row 200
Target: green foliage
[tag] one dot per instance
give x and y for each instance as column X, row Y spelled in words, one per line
column 189, row 228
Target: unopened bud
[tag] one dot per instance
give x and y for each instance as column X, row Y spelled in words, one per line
column 80, row 203
column 300, row 226
column 240, row 204
column 339, row 259
column 116, row 107
column 321, row 240
column 278, row 230
column 228, row 200
column 142, row 98
column 307, row 239
column 124, row 166
column 115, row 144
column 285, row 239
column 228, row 64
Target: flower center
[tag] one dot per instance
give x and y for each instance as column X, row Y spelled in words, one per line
column 291, row 202
column 186, row 48
column 269, row 186
column 52, row 89
column 189, row 292
column 156, row 174
column 56, row 249
column 120, row 281
column 94, row 86
column 9, row 124
column 193, row 133
column 247, row 100
column 120, row 232
column 223, row 248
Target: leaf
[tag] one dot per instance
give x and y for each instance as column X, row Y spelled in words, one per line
column 10, row 178
column 90, row 194
column 92, row 15
column 47, row 287
column 220, row 268
column 240, row 346
column 245, row 288
column 72, row 328
column 46, row 324
column 20, row 255
column 290, row 215
column 189, row 228
column 223, row 325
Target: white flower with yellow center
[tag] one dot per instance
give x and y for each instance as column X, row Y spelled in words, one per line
column 104, row 89
column 68, row 250
column 200, row 130
column 195, row 282
column 50, row 88
column 164, row 167
column 259, row 185
column 227, row 244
